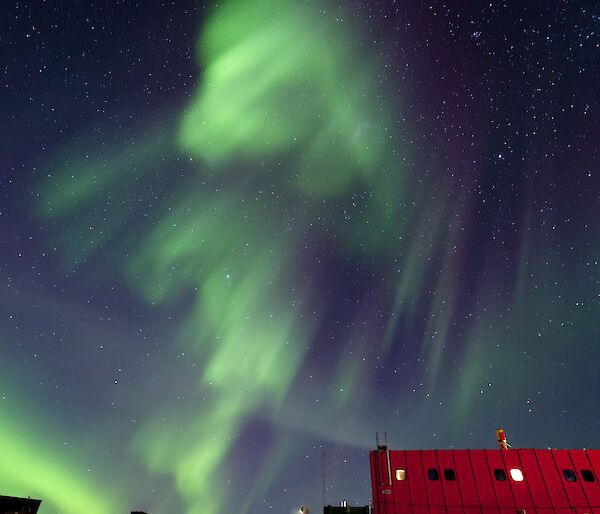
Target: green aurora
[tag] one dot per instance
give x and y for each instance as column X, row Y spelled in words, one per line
column 280, row 98
column 286, row 140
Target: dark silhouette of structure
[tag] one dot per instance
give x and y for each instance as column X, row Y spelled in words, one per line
column 14, row 505
column 346, row 509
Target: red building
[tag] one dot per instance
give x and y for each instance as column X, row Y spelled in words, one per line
column 500, row 481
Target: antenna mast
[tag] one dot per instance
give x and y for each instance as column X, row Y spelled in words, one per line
column 323, row 473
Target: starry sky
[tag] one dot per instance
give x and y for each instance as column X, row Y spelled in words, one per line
column 238, row 238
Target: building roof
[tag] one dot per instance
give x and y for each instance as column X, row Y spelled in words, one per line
column 421, row 481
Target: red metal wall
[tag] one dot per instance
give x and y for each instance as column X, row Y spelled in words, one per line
column 480, row 481
column 468, row 488
column 452, row 496
column 402, row 497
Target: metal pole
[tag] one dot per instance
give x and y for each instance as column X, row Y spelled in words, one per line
column 323, row 473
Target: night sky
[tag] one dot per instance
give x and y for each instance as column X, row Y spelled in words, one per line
column 238, row 238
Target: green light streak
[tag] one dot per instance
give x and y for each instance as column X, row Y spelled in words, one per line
column 242, row 326
column 91, row 194
column 33, row 466
column 413, row 270
column 280, row 77
column 287, row 135
column 442, row 312
column 289, row 98
column 275, row 460
column 272, row 88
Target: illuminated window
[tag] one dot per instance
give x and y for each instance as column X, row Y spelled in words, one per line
column 400, row 474
column 500, row 475
column 587, row 475
column 449, row 474
column 433, row 474
column 516, row 475
column 569, row 475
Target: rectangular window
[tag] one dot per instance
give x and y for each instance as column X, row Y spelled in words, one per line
column 516, row 475
column 449, row 474
column 500, row 475
column 587, row 475
column 400, row 474
column 433, row 474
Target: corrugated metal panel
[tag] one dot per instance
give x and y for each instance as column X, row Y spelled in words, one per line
column 433, row 480
column 529, row 510
column 466, row 480
column 451, row 487
column 402, row 499
column 416, row 482
column 374, row 488
column 594, row 456
column 543, row 510
column 552, row 481
column 385, row 469
column 584, row 471
column 520, row 490
column 456, row 510
column 383, row 494
column 501, row 487
column 564, row 510
column 483, row 481
column 485, row 487
column 490, row 510
column 534, row 479
column 573, row 488
column 435, row 491
column 471, row 487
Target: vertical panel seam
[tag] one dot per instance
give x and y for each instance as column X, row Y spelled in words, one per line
column 474, row 481
column 584, row 493
column 487, row 462
column 509, row 477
